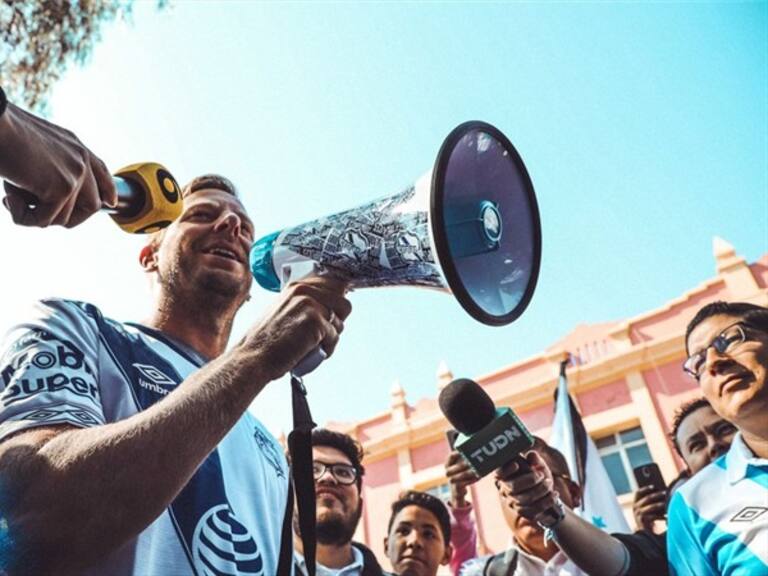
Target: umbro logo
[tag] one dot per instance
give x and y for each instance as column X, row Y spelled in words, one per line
column 749, row 514
column 153, row 379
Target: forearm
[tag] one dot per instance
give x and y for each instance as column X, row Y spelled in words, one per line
column 9, row 141
column 463, row 536
column 106, row 484
column 594, row 551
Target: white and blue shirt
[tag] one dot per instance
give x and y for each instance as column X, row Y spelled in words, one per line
column 718, row 520
column 70, row 365
column 353, row 569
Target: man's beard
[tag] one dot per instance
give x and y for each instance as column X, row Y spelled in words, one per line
column 209, row 287
column 334, row 529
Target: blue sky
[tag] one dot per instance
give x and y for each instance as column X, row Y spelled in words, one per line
column 644, row 127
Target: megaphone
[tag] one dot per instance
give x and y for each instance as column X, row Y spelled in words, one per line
column 469, row 226
column 148, row 198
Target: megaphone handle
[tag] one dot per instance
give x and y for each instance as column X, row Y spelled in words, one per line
column 309, row 362
column 292, row 273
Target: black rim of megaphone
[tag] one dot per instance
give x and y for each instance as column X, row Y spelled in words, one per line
column 441, row 238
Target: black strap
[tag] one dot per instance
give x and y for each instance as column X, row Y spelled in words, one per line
column 503, row 564
column 300, row 449
column 286, row 540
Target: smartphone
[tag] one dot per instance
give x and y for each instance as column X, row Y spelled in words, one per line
column 649, row 475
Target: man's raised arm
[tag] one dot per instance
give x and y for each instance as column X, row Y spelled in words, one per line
column 46, row 165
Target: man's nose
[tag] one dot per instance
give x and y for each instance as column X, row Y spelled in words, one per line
column 229, row 222
column 326, row 477
column 715, row 362
column 413, row 539
column 717, row 448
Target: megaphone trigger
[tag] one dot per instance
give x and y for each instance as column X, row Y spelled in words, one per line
column 309, row 362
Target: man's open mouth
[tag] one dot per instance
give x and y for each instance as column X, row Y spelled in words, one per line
column 224, row 253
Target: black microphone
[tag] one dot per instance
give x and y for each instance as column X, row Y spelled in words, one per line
column 488, row 437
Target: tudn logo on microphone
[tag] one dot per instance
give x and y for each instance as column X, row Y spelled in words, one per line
column 497, row 443
column 222, row 546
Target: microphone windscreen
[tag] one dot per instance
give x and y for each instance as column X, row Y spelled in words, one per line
column 466, row 406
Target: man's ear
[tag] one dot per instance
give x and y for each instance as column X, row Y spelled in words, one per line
column 386, row 545
column 575, row 491
column 148, row 257
column 447, row 556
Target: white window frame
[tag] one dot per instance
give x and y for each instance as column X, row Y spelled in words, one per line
column 621, row 447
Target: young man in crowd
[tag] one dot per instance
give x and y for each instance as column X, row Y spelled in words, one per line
column 122, row 446
column 718, row 520
column 699, row 434
column 418, row 535
column 338, row 471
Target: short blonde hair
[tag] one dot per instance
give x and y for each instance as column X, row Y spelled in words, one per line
column 209, row 181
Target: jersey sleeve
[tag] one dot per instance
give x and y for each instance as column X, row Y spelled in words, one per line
column 685, row 554
column 49, row 370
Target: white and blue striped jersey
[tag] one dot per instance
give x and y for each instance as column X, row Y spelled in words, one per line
column 718, row 520
column 70, row 365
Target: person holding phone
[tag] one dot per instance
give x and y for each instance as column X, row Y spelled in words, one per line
column 700, row 436
column 650, row 501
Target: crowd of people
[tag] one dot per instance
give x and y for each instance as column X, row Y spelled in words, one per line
column 126, row 449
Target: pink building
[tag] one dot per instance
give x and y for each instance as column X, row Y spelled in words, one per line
column 627, row 386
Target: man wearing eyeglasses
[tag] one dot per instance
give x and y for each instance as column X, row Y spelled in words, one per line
column 718, row 521
column 338, row 471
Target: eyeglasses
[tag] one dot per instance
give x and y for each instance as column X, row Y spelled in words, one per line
column 343, row 473
column 724, row 343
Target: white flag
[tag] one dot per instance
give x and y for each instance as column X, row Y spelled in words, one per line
column 599, row 502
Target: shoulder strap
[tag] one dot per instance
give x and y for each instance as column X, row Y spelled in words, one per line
column 502, row 564
column 300, row 448
column 286, row 540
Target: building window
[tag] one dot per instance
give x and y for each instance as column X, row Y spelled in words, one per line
column 442, row 491
column 621, row 452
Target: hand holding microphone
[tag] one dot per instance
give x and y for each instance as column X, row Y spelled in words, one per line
column 494, row 439
column 488, row 438
column 531, row 491
column 52, row 179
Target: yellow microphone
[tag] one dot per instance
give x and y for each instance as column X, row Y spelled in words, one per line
column 148, row 198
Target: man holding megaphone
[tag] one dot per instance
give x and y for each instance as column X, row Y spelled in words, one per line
column 43, row 161
column 126, row 448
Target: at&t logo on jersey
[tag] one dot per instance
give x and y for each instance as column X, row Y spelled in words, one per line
column 222, row 546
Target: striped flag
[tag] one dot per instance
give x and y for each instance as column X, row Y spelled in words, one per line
column 599, row 503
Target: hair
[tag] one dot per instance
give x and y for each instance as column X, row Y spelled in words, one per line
column 751, row 315
column 345, row 444
column 428, row 502
column 209, row 181
column 685, row 410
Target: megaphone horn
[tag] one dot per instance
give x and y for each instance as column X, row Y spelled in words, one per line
column 470, row 226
